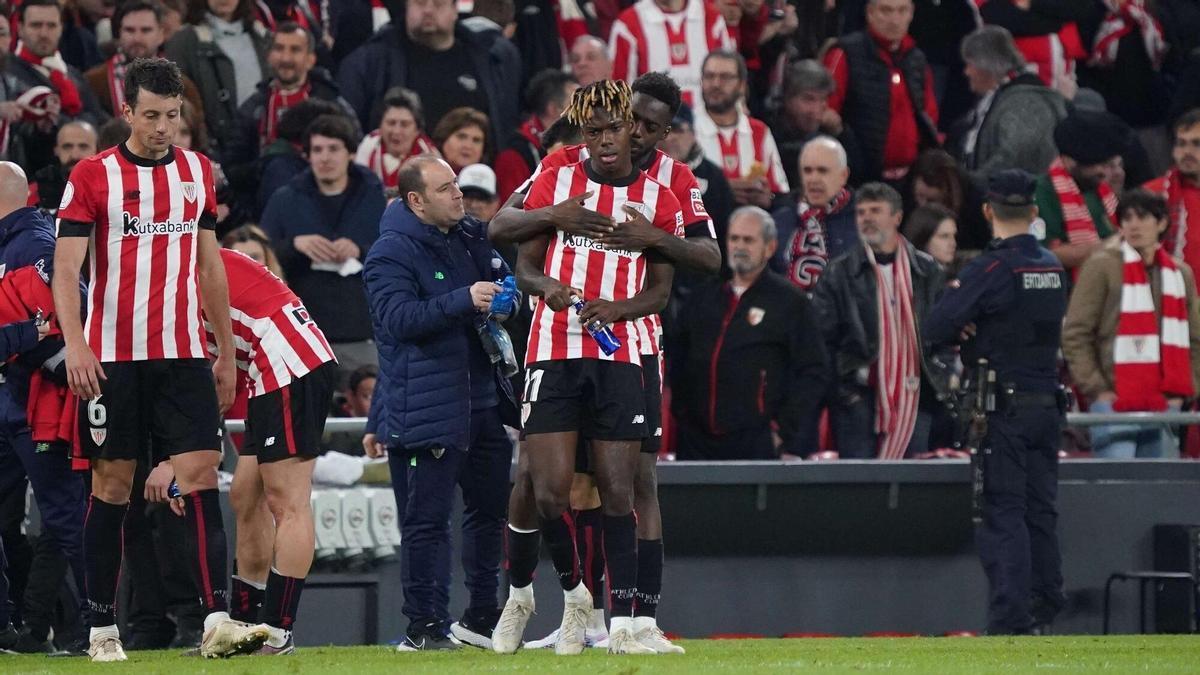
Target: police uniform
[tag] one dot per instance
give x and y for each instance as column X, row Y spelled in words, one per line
column 1015, row 293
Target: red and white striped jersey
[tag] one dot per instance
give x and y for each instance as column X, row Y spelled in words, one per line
column 644, row 38
column 745, row 150
column 677, row 176
column 145, row 216
column 599, row 272
column 276, row 340
column 372, row 155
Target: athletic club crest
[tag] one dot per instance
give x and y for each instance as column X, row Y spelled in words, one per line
column 755, row 315
column 679, row 53
column 189, row 191
column 731, row 163
column 99, row 435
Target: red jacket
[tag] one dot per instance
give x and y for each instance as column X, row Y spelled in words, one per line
column 51, row 406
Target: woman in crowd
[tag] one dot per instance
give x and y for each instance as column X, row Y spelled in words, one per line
column 461, row 135
column 932, row 229
column 401, row 134
column 252, row 241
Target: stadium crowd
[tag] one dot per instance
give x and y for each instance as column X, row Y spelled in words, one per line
column 833, row 141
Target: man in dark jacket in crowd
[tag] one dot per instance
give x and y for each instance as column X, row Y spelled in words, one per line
column 804, row 114
column 446, row 64
column 748, row 354
column 76, row 141
column 883, row 89
column 431, row 278
column 886, row 380
column 321, row 225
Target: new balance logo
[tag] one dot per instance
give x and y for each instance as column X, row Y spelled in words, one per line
column 639, row 419
column 270, row 441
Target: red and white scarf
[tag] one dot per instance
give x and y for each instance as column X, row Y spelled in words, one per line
column 808, row 251
column 1079, row 224
column 386, row 166
column 278, row 102
column 116, row 82
column 54, row 68
column 1172, row 187
column 898, row 370
column 1122, row 18
column 1151, row 358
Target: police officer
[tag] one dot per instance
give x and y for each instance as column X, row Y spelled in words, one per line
column 1015, row 296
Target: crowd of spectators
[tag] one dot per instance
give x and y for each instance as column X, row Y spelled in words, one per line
column 830, row 138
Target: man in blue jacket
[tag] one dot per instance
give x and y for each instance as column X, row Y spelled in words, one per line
column 430, row 278
column 27, row 239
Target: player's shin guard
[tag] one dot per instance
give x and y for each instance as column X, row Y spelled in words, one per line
column 649, row 576
column 247, row 600
column 207, row 548
column 102, row 544
column 522, row 555
column 559, row 534
column 620, row 551
column 282, row 600
column 589, row 532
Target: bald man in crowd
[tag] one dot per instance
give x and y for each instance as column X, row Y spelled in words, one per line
column 26, row 447
column 589, row 60
column 75, row 141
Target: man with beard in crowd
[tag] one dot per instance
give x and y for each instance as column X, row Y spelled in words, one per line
column 76, row 141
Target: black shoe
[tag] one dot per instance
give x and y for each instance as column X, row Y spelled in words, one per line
column 8, row 639
column 78, row 647
column 27, row 643
column 186, row 638
column 476, row 626
column 426, row 643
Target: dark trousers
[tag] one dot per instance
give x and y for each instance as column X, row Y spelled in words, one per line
column 853, row 421
column 15, row 569
column 1018, row 543
column 424, row 485
column 696, row 444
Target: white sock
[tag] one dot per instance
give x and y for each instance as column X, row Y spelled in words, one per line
column 98, row 632
column 524, row 595
column 260, row 585
column 578, row 594
column 621, row 623
column 214, row 619
column 597, row 622
column 277, row 637
column 641, row 623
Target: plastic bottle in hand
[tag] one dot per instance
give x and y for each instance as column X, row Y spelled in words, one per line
column 602, row 334
column 504, row 303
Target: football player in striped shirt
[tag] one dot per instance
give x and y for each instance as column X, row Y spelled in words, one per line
column 143, row 214
column 572, row 388
column 655, row 102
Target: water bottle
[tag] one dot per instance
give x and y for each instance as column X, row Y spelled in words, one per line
column 504, row 303
column 602, row 334
column 173, row 490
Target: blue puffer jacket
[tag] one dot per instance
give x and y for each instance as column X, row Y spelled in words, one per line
column 419, row 311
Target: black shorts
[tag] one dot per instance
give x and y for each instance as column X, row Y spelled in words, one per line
column 290, row 421
column 599, row 399
column 652, row 387
column 168, row 404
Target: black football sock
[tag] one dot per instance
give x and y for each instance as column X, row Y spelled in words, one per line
column 620, row 551
column 522, row 556
column 246, row 601
column 589, row 531
column 206, row 544
column 282, row 600
column 559, row 534
column 102, row 546
column 649, row 577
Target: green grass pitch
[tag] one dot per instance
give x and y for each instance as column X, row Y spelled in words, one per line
column 1089, row 654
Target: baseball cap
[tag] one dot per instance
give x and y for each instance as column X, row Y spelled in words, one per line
column 478, row 177
column 1012, row 187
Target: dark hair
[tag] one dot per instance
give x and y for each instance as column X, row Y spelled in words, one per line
column 805, row 76
column 199, row 133
column 461, row 118
column 1013, row 212
column 253, row 233
column 729, row 55
column 922, row 223
column 399, row 97
column 111, row 133
column 38, row 3
column 1187, row 120
column 332, row 126
column 293, row 27
column 294, row 121
column 936, row 168
column 1142, row 202
column 562, row 131
column 548, row 86
column 661, row 88
column 128, row 7
column 409, row 179
column 360, row 374
column 155, row 75
column 880, row 192
column 198, row 9
column 502, row 12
